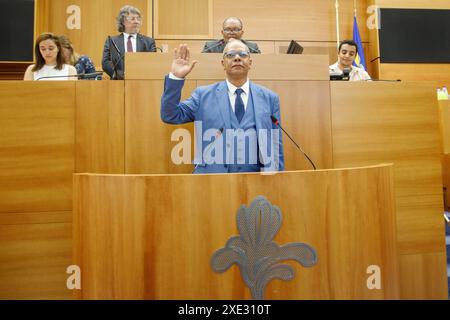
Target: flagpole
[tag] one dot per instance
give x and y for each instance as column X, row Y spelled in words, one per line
column 337, row 23
column 354, row 7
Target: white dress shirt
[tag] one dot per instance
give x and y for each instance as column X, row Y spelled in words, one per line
column 244, row 95
column 133, row 40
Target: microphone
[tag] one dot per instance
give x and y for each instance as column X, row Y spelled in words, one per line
column 119, row 54
column 344, row 76
column 221, row 42
column 209, row 146
column 277, row 123
column 160, row 49
column 375, row 59
column 115, row 45
column 94, row 75
column 382, row 80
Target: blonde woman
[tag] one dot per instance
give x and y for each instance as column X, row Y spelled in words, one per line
column 82, row 63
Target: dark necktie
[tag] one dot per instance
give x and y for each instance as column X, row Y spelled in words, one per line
column 239, row 109
column 129, row 44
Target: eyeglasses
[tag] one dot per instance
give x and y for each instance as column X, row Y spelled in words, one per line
column 231, row 54
column 131, row 19
column 232, row 30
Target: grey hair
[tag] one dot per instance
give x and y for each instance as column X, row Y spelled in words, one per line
column 232, row 18
column 123, row 13
column 235, row 40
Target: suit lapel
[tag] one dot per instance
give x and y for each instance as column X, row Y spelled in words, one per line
column 222, row 101
column 119, row 41
column 261, row 108
column 139, row 43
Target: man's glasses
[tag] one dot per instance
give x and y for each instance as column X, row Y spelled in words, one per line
column 232, row 30
column 131, row 19
column 231, row 54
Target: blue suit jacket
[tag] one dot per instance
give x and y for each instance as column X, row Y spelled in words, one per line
column 210, row 104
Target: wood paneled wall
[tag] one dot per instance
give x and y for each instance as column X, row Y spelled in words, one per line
column 364, row 135
column 270, row 23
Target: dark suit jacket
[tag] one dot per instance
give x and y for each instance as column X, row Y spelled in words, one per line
column 113, row 58
column 219, row 46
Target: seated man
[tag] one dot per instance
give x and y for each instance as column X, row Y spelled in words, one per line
column 129, row 22
column 346, row 55
column 233, row 118
column 232, row 29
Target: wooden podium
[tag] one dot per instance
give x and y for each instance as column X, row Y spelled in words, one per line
column 153, row 236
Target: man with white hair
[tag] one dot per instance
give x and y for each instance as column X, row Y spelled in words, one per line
column 128, row 22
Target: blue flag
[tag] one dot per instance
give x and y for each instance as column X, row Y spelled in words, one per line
column 360, row 60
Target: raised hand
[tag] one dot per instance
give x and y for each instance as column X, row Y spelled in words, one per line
column 181, row 66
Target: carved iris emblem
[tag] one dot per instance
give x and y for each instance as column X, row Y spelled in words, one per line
column 257, row 256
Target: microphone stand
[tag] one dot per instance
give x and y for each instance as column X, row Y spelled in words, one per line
column 277, row 123
column 84, row 75
column 120, row 55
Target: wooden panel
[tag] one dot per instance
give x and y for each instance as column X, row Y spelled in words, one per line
column 100, row 127
column 446, row 180
column 97, row 22
column 398, row 123
column 34, row 259
column 172, row 230
column 440, row 73
column 36, row 146
column 122, row 245
column 444, row 123
column 183, row 19
column 154, row 66
column 305, row 115
column 422, row 276
column 196, row 46
column 291, row 19
column 35, row 217
column 147, row 139
column 42, row 12
column 419, row 221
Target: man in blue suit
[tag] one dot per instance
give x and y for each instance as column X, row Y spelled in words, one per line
column 232, row 117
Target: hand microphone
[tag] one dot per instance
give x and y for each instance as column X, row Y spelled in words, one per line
column 346, row 73
column 208, row 50
column 277, row 123
column 209, row 146
column 81, row 76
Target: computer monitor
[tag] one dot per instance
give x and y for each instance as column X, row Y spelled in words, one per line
column 294, row 48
